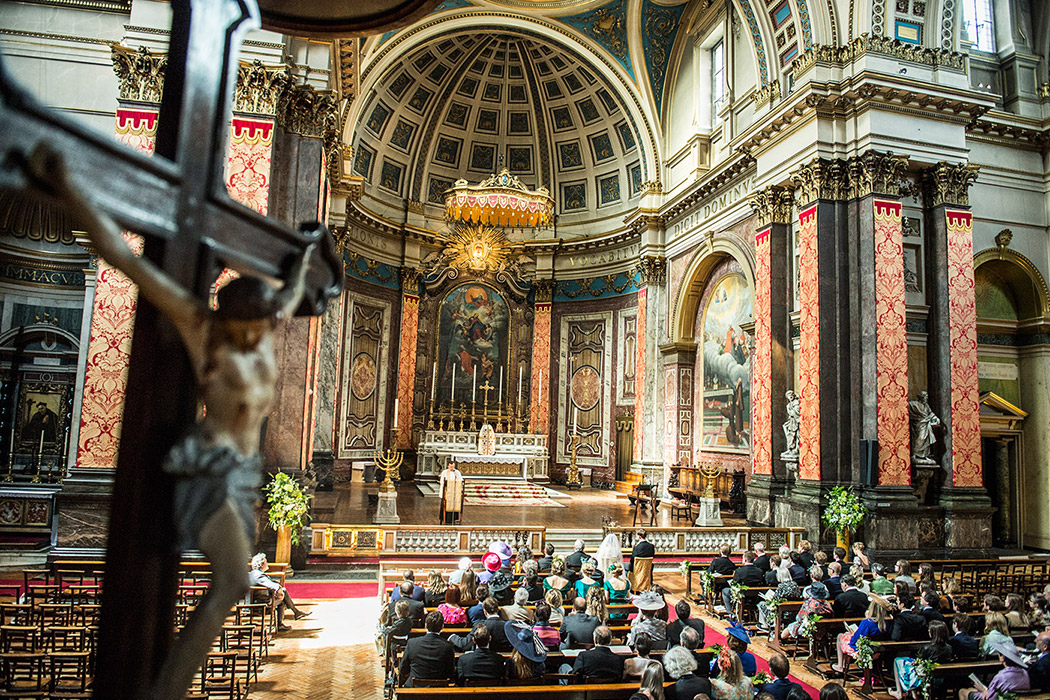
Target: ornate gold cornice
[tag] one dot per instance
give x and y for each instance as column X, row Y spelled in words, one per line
column 773, row 205
column 948, row 183
column 544, row 289
column 822, row 178
column 349, row 64
column 841, row 55
column 260, row 88
column 876, row 173
column 410, row 277
column 1044, row 90
column 652, row 269
column 767, row 93
column 140, row 73
column 307, row 112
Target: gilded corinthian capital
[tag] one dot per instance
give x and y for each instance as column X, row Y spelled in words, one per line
column 653, row 269
column 876, row 173
column 822, row 178
column 307, row 112
column 140, row 72
column 773, row 205
column 948, row 183
column 260, row 87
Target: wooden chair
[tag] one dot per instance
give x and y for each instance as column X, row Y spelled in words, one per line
column 240, row 639
column 22, row 674
column 219, row 676
column 69, row 674
column 645, row 495
column 431, row 682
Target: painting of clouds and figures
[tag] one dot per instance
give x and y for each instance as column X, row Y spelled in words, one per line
column 727, row 366
column 472, row 332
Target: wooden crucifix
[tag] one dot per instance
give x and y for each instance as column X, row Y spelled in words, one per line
column 178, row 201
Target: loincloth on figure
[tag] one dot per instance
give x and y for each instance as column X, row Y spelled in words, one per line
column 208, row 476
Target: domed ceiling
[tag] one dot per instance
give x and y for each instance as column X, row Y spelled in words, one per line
column 464, row 104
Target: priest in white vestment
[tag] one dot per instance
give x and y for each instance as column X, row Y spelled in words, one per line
column 451, row 494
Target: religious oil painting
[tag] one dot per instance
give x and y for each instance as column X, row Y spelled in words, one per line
column 727, row 366
column 42, row 417
column 472, row 336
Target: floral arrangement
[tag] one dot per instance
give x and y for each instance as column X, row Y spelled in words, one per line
column 809, row 626
column 924, row 672
column 760, row 678
column 865, row 653
column 736, row 591
column 683, row 567
column 844, row 512
column 707, row 583
column 288, row 505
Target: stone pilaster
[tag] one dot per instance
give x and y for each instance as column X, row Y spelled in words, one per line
column 540, row 381
column 406, row 366
column 679, row 364
column 771, row 361
column 653, row 459
column 952, row 351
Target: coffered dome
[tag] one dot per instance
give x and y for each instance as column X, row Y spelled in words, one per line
column 464, row 104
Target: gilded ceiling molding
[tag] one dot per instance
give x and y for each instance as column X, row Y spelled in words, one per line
column 773, row 205
column 756, row 39
column 349, row 67
column 842, row 55
column 770, row 92
column 660, row 26
column 876, row 173
column 948, row 184
column 652, row 269
column 140, row 73
column 24, row 215
column 260, row 88
column 729, row 173
column 822, row 178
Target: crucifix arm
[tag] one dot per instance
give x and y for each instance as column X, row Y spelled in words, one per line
column 291, row 294
column 50, row 172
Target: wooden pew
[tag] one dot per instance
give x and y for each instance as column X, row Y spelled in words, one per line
column 578, row 691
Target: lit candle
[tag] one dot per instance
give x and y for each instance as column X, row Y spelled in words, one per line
column 474, row 387
column 40, row 455
column 575, row 419
column 452, row 398
column 499, row 396
column 521, row 397
column 396, row 405
column 434, row 384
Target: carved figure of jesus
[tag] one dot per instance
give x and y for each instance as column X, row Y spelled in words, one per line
column 216, row 463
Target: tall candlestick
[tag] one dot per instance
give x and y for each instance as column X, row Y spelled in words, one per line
column 474, row 387
column 40, row 454
column 521, row 373
column 434, row 384
column 396, row 406
column 452, row 398
column 575, row 418
column 499, row 396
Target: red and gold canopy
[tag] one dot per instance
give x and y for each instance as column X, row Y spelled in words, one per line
column 501, row 200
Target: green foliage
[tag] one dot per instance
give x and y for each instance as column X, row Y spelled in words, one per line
column 288, row 505
column 736, row 590
column 707, row 582
column 924, row 672
column 809, row 626
column 865, row 653
column 683, row 567
column 761, row 678
column 844, row 512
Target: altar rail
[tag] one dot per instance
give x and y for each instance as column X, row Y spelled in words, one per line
column 369, row 540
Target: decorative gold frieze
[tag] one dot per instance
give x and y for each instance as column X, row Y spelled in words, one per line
column 773, row 205
column 822, row 178
column 140, row 73
column 652, row 269
column 1044, row 90
column 307, row 112
column 948, row 183
column 410, row 277
column 876, row 173
column 260, row 88
column 841, row 55
column 769, row 92
column 348, row 68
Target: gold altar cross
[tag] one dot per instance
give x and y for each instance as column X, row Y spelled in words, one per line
column 486, row 387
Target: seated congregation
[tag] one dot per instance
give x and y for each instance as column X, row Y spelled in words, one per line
column 555, row 623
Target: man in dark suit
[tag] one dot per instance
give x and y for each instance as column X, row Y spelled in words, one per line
column 578, row 628
column 497, row 633
column 747, row 575
column 415, row 607
column 428, row 657
column 417, row 591
column 692, row 641
column 771, row 575
column 761, row 558
column 964, row 647
column 643, row 549
column 799, row 573
column 722, row 564
column 908, row 625
column 852, row 602
column 930, row 601
column 1039, row 671
column 833, row 580
column 781, row 686
column 575, row 560
column 482, row 663
column 683, row 613
column 544, row 562
column 601, row 661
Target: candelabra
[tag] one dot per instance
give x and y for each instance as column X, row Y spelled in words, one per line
column 573, row 481
column 390, row 461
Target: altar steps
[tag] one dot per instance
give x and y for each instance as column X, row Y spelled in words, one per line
column 630, row 480
column 507, row 492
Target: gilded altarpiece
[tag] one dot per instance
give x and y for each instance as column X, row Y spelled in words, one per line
column 362, row 413
column 585, row 399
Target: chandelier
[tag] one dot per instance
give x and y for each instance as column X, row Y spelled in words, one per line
column 501, row 200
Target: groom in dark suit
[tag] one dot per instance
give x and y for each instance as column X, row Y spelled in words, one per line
column 428, row 657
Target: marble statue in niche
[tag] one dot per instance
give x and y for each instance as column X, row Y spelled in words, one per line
column 790, row 454
column 923, row 420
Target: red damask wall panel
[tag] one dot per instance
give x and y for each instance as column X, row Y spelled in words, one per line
column 761, row 391
column 639, row 375
column 406, row 369
column 891, row 347
column 966, row 421
column 809, row 347
column 539, row 411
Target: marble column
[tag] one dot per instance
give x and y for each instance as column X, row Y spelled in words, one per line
column 826, row 453
column 292, row 192
column 952, row 351
column 83, row 502
column 657, row 433
column 771, row 361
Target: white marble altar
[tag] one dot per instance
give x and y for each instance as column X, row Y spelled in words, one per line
column 528, row 451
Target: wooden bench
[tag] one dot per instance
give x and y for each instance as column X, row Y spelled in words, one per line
column 577, row 691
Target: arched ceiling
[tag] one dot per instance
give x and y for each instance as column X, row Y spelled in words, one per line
column 462, row 103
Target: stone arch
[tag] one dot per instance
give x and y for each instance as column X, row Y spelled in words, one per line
column 1017, row 279
column 695, row 280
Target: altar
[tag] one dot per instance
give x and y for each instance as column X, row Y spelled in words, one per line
column 517, row 455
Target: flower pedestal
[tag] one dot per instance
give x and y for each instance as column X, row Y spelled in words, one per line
column 284, row 546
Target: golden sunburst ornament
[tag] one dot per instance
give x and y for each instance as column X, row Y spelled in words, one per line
column 477, row 247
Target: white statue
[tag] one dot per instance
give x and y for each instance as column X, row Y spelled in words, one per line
column 923, row 421
column 791, row 428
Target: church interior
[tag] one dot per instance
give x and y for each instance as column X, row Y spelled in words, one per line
column 441, row 285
